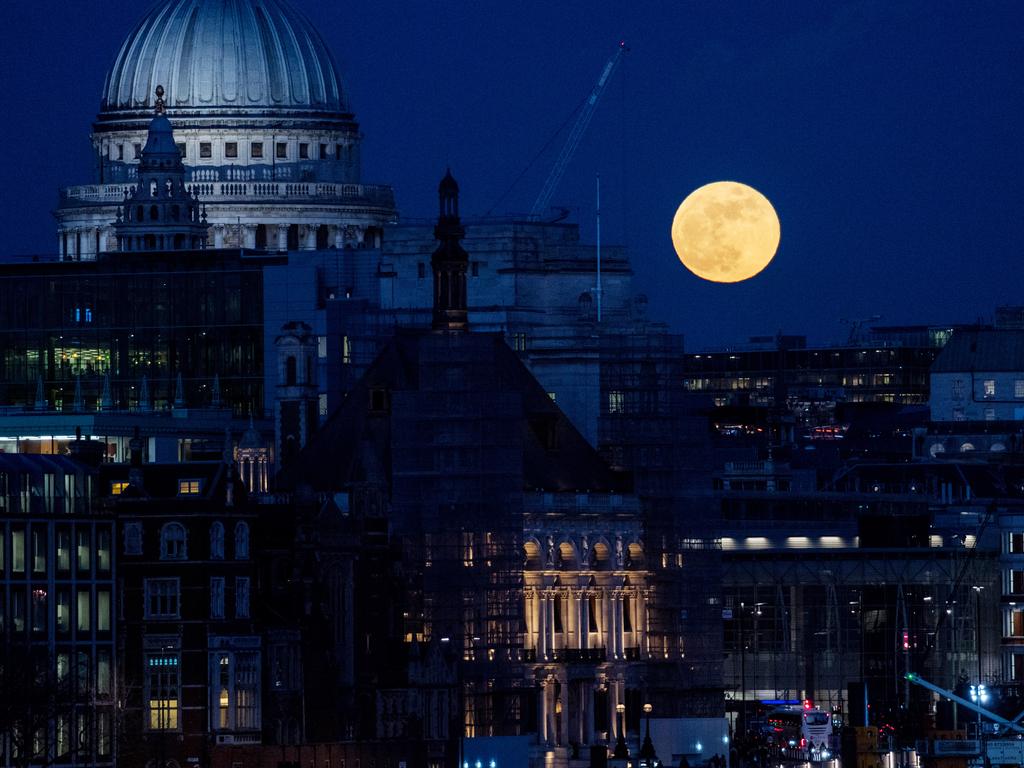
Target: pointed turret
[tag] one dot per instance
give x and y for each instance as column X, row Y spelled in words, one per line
column 450, row 261
column 160, row 213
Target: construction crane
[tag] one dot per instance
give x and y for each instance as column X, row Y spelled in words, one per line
column 578, row 129
column 857, row 326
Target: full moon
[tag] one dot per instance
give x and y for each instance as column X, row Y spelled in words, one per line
column 725, row 232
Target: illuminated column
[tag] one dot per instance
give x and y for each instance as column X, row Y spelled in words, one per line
column 619, row 635
column 584, row 621
column 339, row 237
column 577, row 615
column 542, row 715
column 551, row 621
column 552, row 703
column 542, row 626
column 606, row 623
column 642, row 626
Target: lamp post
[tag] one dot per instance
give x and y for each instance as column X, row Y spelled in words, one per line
column 621, row 751
column 647, row 755
column 980, row 694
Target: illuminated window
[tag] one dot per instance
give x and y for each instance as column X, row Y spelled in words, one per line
column 467, row 549
column 117, row 487
column 63, row 550
column 189, row 487
column 162, row 599
column 988, row 387
column 84, row 553
column 519, row 342
column 346, row 350
column 236, row 692
column 321, row 347
column 1018, row 388
column 616, row 402
column 163, row 691
column 553, row 396
column 173, row 544
column 103, row 610
column 82, row 611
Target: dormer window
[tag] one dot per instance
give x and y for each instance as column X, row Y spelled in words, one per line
column 173, row 544
column 190, row 487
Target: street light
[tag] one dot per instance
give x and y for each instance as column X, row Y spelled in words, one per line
column 621, row 750
column 648, row 757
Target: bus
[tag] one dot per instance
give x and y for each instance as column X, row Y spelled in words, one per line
column 801, row 729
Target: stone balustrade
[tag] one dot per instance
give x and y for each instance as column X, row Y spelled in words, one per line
column 214, row 192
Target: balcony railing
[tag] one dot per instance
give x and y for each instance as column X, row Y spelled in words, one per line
column 228, row 191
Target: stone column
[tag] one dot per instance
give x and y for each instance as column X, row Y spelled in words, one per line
column 551, row 622
column 339, row 236
column 606, row 624
column 544, row 639
column 218, row 236
column 574, row 618
column 104, row 241
column 620, row 635
column 282, row 237
column 641, row 623
column 309, row 239
column 585, row 621
column 248, row 235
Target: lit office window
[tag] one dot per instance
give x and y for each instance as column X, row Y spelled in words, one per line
column 84, row 554
column 989, row 387
column 82, row 611
column 616, row 402
column 162, row 691
column 236, row 693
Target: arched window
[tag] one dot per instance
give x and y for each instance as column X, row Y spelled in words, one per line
column 217, row 541
column 241, row 541
column 173, row 545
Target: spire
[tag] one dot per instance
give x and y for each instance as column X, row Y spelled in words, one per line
column 161, row 213
column 450, row 261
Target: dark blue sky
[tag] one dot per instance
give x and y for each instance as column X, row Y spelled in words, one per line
column 887, row 134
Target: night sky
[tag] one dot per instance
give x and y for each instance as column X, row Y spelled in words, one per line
column 887, row 135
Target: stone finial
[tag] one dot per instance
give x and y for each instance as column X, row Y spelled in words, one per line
column 159, row 107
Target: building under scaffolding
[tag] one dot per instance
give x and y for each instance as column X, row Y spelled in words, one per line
column 860, row 584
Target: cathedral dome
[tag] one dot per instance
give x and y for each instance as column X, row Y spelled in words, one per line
column 224, row 57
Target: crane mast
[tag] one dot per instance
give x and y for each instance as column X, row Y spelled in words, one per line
column 578, row 129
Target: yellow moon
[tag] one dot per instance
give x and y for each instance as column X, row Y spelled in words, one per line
column 725, row 232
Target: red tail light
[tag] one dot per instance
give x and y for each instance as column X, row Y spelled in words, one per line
column 803, row 743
